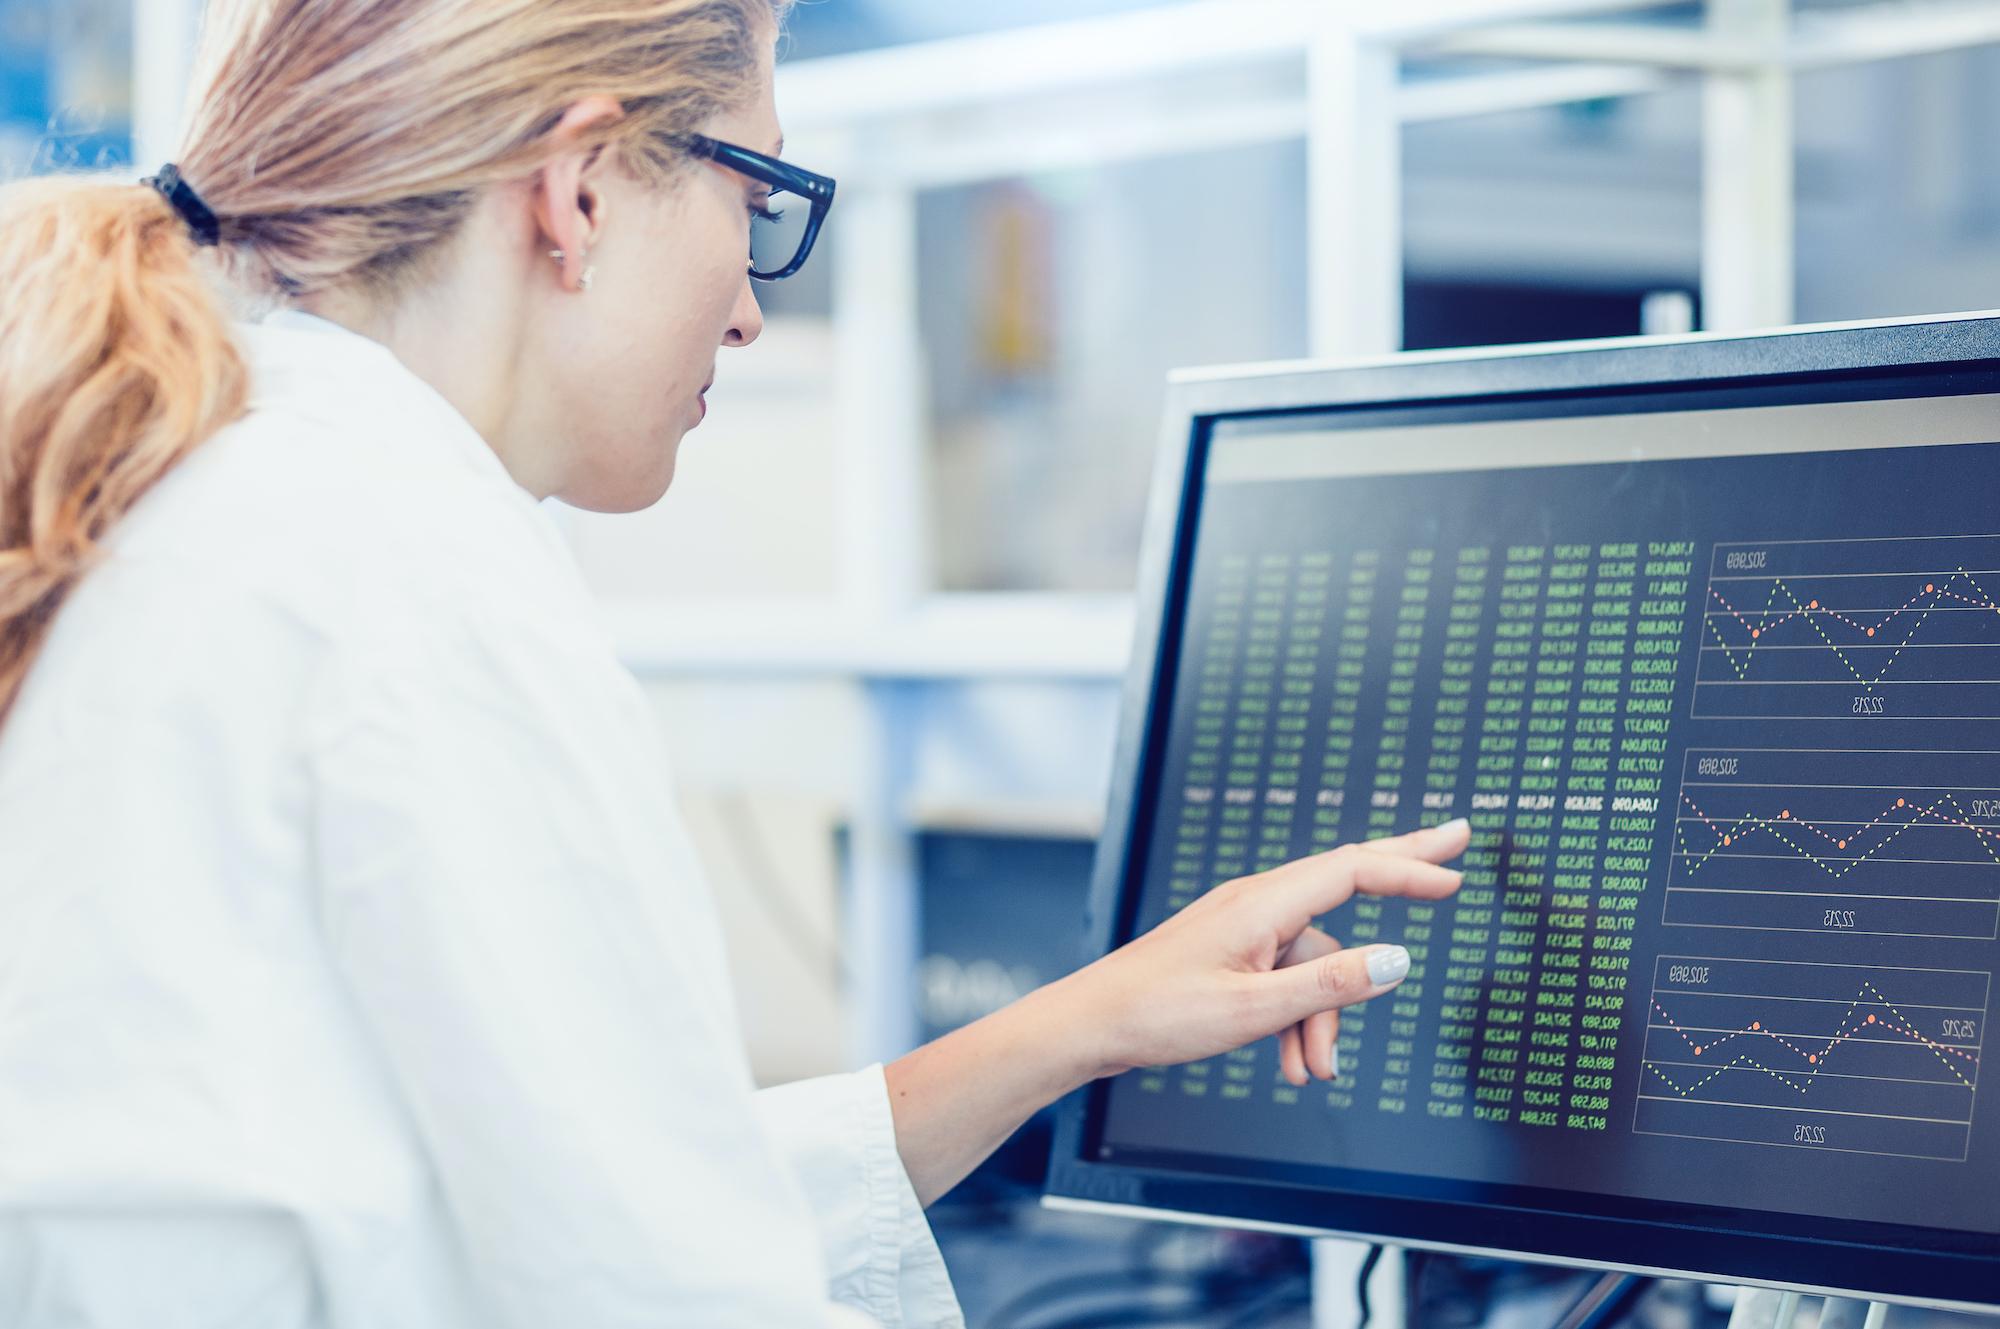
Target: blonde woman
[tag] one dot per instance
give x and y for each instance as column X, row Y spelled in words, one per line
column 353, row 969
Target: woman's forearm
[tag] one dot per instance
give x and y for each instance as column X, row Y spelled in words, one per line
column 1241, row 963
column 956, row 1100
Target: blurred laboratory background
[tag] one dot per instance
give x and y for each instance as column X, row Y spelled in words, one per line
column 884, row 610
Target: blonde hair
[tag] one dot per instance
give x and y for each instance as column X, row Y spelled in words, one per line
column 339, row 142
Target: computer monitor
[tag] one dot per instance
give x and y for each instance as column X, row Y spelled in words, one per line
column 1704, row 636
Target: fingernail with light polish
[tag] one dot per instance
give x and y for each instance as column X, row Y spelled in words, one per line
column 1336, row 1061
column 1457, row 824
column 1388, row 965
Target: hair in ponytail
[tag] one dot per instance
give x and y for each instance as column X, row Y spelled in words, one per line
column 115, row 362
column 339, row 142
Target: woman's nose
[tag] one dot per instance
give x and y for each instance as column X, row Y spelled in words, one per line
column 746, row 320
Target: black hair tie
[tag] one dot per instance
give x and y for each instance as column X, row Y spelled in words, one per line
column 200, row 219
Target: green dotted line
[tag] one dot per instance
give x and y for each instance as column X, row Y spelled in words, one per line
column 1738, row 1060
column 1742, row 667
column 1841, row 1034
column 1767, row 824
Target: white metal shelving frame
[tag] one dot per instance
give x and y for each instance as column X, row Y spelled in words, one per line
column 1215, row 73
column 1206, row 74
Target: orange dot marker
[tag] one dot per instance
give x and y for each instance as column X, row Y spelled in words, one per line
column 1899, row 802
column 1697, row 1052
column 1871, row 632
column 1871, row 1019
column 1928, row 588
column 1725, row 839
column 1841, row 843
column 1756, row 633
column 1784, row 814
column 1813, row 1058
column 1813, row 605
column 1756, row 1024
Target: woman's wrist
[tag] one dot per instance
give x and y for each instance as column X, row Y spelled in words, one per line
column 1081, row 1023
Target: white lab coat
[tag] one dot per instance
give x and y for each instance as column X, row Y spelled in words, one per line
column 355, row 969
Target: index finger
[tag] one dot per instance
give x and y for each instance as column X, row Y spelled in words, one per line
column 1433, row 844
column 1303, row 890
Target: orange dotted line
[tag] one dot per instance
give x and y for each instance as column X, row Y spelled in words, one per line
column 1798, row 610
column 1727, row 838
column 1742, row 666
column 1896, row 1023
column 1766, row 621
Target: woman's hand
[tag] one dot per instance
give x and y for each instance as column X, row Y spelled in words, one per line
column 1244, row 961
column 1241, row 963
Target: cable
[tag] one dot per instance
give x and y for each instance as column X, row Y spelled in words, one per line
column 1368, row 1263
column 1243, row 1292
column 1413, row 1275
column 1038, row 1298
column 1607, row 1301
column 1298, row 1290
column 1122, row 1316
column 1242, row 1311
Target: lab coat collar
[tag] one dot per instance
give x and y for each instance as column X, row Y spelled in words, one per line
column 329, row 372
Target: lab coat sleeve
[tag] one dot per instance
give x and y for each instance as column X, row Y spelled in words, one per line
column 839, row 1136
column 488, row 829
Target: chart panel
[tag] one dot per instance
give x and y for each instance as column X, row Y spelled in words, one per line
column 1848, row 842
column 1891, row 628
column 1848, row 1058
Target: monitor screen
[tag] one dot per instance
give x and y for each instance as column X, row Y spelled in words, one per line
column 1714, row 670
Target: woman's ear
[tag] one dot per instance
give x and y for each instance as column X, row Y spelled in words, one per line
column 569, row 206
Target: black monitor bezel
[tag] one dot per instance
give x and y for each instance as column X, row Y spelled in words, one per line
column 1947, row 354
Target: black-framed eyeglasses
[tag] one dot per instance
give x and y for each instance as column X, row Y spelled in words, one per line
column 782, row 234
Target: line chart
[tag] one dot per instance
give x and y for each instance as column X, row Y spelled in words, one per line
column 1902, row 627
column 1850, row 1058
column 1868, row 842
